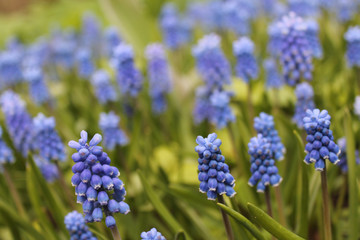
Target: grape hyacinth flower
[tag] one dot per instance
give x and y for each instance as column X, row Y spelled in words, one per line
column 113, row 135
column 321, row 145
column 75, row 224
column 214, row 175
column 63, row 50
column 97, row 185
column 48, row 169
column 10, row 68
column 304, row 8
column 295, row 55
column 38, row 90
column 221, row 112
column 104, row 90
column 357, row 106
column 236, row 16
column 6, row 155
column 275, row 39
column 211, row 62
column 84, row 63
column 18, row 121
column 304, row 100
column 246, row 67
column 153, row 234
column 111, row 40
column 311, row 33
column 263, row 169
column 264, row 125
column 352, row 37
column 46, row 139
column 91, row 32
column 159, row 76
column 342, row 156
column 273, row 78
column 345, row 9
column 129, row 77
column 202, row 106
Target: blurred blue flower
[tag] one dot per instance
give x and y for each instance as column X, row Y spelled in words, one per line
column 264, row 125
column 111, row 40
column 263, row 169
column 352, row 37
column 275, row 39
column 113, row 135
column 221, row 112
column 49, row 170
column 246, row 66
column 104, row 90
column 46, row 139
column 63, row 49
column 214, row 175
column 97, row 185
column 320, row 141
column 211, row 62
column 311, row 33
column 153, row 234
column 160, row 82
column 84, row 63
column 38, row 90
column 129, row 78
column 18, row 121
column 10, row 68
column 273, row 77
column 345, row 9
column 343, row 156
column 304, row 8
column 236, row 16
column 75, row 224
column 295, row 55
column 304, row 100
column 91, row 32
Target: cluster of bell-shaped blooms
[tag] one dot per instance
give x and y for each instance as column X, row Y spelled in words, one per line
column 129, row 78
column 264, row 125
column 111, row 40
column 246, row 66
column 345, row 10
column 236, row 16
column 263, row 169
column 343, row 165
column 10, row 67
column 320, row 141
column 97, row 185
column 273, row 77
column 90, row 37
column 18, row 121
column 153, row 234
column 352, row 37
column 312, row 35
column 113, row 135
column 160, row 82
column 75, row 224
column 63, row 48
column 304, row 8
column 295, row 54
column 104, row 90
column 304, row 100
column 275, row 39
column 6, row 155
column 176, row 30
column 214, row 174
column 84, row 63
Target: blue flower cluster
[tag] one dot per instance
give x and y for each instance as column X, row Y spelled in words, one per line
column 236, row 16
column 96, row 181
column 304, row 100
column 113, row 135
column 159, row 76
column 345, row 9
column 246, row 67
column 37, row 87
column 321, row 145
column 84, row 63
column 264, row 125
column 63, row 46
column 129, row 77
column 296, row 54
column 75, row 224
column 214, row 174
column 304, row 8
column 153, row 234
column 104, row 91
column 176, row 30
column 352, row 36
column 311, row 33
column 90, row 32
column 263, row 169
column 112, row 39
column 18, row 121
column 275, row 39
column 343, row 157
column 6, row 155
column 273, row 78
column 10, row 68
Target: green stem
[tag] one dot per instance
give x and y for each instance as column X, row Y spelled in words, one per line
column 268, row 201
column 326, row 210
column 235, row 150
column 250, row 107
column 14, row 193
column 226, row 219
column 280, row 206
column 69, row 196
column 115, row 233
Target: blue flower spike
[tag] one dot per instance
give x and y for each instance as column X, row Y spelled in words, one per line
column 75, row 224
column 305, row 100
column 352, row 37
column 214, row 174
column 263, row 169
column 153, row 234
column 97, row 185
column 343, row 155
column 320, row 141
column 246, row 67
column 113, row 135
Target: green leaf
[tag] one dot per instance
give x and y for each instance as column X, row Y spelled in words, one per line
column 350, row 154
column 270, row 225
column 159, row 206
column 243, row 221
column 180, row 236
